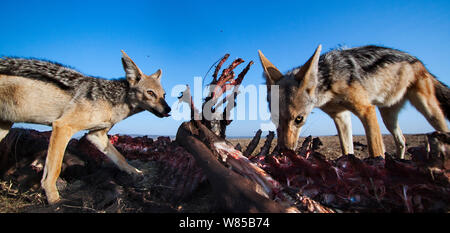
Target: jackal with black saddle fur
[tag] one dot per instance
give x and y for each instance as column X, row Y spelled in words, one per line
column 355, row 80
column 42, row 92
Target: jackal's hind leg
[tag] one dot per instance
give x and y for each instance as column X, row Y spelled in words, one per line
column 343, row 124
column 390, row 119
column 100, row 139
column 61, row 135
column 4, row 129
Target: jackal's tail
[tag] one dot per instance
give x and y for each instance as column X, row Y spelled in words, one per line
column 443, row 95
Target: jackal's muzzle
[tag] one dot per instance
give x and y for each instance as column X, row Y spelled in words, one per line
column 162, row 110
column 287, row 138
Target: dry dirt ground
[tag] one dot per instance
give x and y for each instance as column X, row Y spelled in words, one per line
column 331, row 147
column 15, row 200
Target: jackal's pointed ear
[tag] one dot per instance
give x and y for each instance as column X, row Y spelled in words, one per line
column 307, row 75
column 133, row 73
column 271, row 72
column 156, row 75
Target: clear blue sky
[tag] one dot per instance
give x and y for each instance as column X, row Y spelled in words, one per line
column 185, row 38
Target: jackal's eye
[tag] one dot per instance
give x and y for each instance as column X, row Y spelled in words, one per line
column 150, row 92
column 298, row 119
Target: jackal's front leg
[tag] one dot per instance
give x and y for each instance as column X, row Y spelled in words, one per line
column 368, row 117
column 343, row 124
column 100, row 140
column 61, row 135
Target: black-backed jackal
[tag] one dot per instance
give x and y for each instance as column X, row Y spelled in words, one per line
column 41, row 92
column 355, row 80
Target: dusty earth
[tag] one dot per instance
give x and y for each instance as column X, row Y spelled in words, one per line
column 103, row 188
column 332, row 150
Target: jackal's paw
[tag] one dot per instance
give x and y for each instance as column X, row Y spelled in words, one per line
column 52, row 197
column 51, row 192
column 138, row 172
column 137, row 175
column 134, row 171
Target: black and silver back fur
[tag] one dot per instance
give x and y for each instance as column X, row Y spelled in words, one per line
column 357, row 64
column 66, row 78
